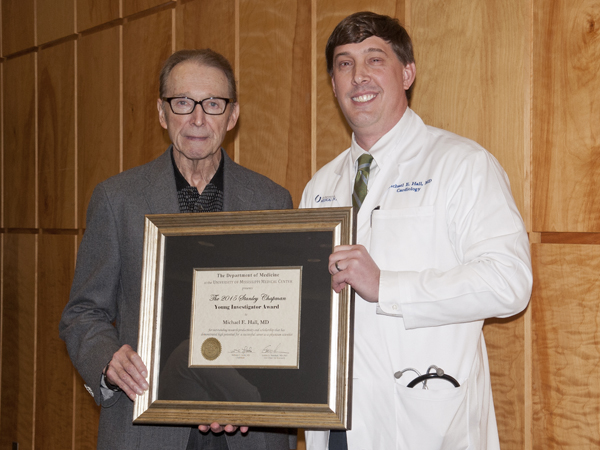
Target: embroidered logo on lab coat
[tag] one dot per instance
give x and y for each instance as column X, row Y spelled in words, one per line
column 325, row 199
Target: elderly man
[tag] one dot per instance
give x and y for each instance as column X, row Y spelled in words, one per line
column 197, row 106
column 441, row 247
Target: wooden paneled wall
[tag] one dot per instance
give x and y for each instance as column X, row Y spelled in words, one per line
column 79, row 86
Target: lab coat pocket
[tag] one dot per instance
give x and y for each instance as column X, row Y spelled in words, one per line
column 403, row 239
column 432, row 419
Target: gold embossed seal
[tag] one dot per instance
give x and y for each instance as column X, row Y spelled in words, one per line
column 211, row 348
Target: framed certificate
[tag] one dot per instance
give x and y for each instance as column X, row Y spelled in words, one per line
column 239, row 323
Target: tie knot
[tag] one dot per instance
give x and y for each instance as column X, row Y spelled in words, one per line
column 364, row 160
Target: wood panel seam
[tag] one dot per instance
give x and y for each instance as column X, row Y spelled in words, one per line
column 25, row 51
column 236, row 38
column 35, row 338
column 62, row 40
column 76, row 133
column 313, row 89
column 2, row 154
column 151, row 11
column 579, row 238
column 5, row 231
column 36, row 145
column 102, row 27
column 121, row 101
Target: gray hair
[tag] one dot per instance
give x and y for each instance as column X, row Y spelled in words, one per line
column 204, row 57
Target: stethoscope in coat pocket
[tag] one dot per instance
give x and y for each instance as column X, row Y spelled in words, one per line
column 432, row 372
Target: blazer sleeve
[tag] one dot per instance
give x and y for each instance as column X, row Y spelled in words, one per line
column 87, row 321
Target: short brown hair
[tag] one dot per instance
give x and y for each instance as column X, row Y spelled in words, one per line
column 362, row 25
column 204, row 57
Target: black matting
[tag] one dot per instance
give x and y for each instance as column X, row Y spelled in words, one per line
column 310, row 250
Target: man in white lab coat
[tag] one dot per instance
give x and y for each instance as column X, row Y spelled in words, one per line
column 440, row 247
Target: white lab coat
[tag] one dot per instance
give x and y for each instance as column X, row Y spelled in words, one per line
column 440, row 221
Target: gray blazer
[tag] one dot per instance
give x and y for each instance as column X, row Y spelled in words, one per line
column 106, row 290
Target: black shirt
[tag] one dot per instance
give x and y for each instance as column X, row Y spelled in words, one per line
column 191, row 201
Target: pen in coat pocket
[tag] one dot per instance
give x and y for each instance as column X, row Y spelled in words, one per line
column 375, row 209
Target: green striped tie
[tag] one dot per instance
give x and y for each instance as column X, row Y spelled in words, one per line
column 362, row 179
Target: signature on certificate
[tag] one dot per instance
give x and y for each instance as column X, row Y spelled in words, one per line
column 270, row 349
column 242, row 350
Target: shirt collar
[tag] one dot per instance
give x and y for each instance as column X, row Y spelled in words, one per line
column 391, row 138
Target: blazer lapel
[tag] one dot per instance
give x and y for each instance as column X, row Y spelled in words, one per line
column 161, row 192
column 238, row 194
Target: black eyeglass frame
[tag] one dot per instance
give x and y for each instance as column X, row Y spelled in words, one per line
column 196, row 102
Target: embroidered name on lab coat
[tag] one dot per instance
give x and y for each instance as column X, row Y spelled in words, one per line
column 410, row 186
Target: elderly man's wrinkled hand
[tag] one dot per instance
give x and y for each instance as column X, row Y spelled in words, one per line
column 127, row 371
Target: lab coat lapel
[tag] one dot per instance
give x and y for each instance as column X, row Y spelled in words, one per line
column 344, row 178
column 392, row 152
column 398, row 145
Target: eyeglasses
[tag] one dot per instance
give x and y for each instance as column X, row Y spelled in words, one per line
column 214, row 106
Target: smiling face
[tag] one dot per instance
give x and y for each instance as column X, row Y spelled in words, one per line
column 196, row 137
column 370, row 82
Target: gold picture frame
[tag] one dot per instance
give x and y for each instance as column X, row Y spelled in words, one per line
column 315, row 394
